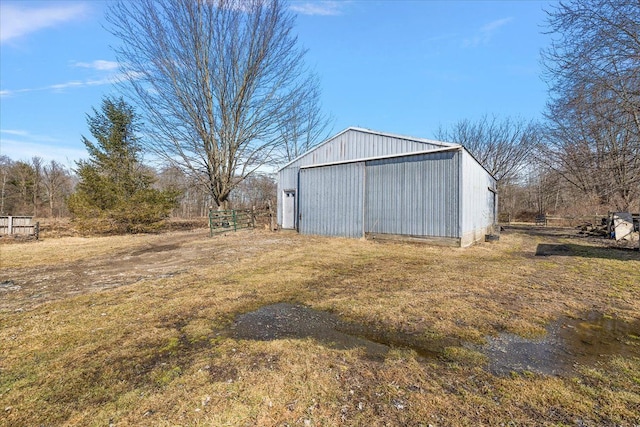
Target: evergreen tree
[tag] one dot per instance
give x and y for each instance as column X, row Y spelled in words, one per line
column 115, row 192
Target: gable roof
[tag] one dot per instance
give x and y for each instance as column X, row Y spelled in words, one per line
column 369, row 131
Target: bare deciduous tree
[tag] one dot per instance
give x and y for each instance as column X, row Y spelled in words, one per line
column 23, row 190
column 257, row 191
column 215, row 80
column 502, row 146
column 27, row 186
column 5, row 166
column 594, row 113
column 36, row 165
column 599, row 157
column 57, row 183
column 304, row 126
column 194, row 200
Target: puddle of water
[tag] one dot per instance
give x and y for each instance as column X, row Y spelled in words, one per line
column 285, row 320
column 568, row 342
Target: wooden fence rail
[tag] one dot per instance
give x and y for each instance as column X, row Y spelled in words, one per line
column 19, row 226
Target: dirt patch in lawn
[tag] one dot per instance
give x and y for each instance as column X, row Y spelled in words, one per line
column 53, row 269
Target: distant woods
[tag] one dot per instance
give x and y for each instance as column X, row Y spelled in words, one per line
column 112, row 190
column 33, row 187
column 36, row 188
column 505, row 147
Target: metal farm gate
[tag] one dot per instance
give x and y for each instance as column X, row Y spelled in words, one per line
column 230, row 220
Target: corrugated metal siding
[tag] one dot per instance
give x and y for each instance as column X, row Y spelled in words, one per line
column 416, row 195
column 478, row 212
column 352, row 144
column 438, row 194
column 331, row 200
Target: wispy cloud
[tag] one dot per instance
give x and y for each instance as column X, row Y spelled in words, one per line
column 494, row 25
column 321, row 8
column 98, row 64
column 58, row 87
column 6, row 93
column 441, row 37
column 486, row 33
column 72, row 84
column 23, row 145
column 14, row 132
column 26, row 135
column 17, row 21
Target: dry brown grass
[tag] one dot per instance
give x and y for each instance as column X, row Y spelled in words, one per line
column 151, row 350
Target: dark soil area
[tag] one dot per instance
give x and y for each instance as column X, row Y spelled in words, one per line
column 568, row 341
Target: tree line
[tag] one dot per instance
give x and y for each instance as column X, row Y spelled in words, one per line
column 113, row 190
column 224, row 92
column 36, row 188
column 33, row 187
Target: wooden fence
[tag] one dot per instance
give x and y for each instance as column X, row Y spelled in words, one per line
column 575, row 221
column 597, row 220
column 504, row 218
column 19, row 226
column 552, row 220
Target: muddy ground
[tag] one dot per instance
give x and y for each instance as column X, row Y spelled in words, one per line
column 155, row 256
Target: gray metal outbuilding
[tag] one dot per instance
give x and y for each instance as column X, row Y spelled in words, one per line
column 362, row 183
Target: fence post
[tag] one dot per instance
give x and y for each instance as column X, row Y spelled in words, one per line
column 210, row 221
column 10, row 226
column 233, row 215
column 36, row 230
column 253, row 217
column 271, row 224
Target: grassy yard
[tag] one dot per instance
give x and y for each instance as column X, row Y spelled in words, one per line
column 135, row 331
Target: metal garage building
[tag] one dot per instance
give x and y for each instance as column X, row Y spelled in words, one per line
column 362, row 183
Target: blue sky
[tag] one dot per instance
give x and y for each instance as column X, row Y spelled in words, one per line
column 403, row 67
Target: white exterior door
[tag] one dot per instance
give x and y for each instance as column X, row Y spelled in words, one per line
column 288, row 209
